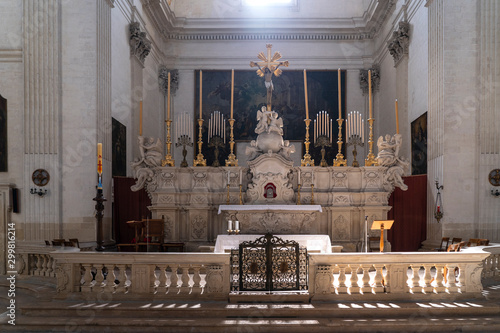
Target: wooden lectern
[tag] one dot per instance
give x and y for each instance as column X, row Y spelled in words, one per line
column 376, row 225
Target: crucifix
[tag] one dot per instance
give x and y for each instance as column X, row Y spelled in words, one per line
column 268, row 66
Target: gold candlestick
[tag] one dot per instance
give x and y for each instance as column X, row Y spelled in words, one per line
column 312, row 194
column 307, row 161
column 370, row 159
column 231, row 160
column 168, row 160
column 227, row 199
column 298, row 194
column 200, row 161
column 339, row 159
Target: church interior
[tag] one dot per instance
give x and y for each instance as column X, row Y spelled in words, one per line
column 282, row 165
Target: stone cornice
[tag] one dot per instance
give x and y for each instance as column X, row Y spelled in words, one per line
column 358, row 28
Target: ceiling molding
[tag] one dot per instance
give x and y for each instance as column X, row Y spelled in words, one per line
column 357, row 28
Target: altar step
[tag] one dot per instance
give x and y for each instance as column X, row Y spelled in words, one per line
column 156, row 316
column 269, row 297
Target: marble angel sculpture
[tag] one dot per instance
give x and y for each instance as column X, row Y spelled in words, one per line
column 150, row 151
column 388, row 156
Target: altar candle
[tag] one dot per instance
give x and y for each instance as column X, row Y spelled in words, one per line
column 228, row 178
column 314, row 131
column 340, row 89
column 241, row 177
column 312, row 177
column 331, row 130
column 200, row 91
column 305, row 92
column 237, row 225
column 140, row 118
column 397, row 116
column 168, row 96
column 229, row 225
column 99, row 158
column 363, row 132
column 298, row 177
column 370, row 93
column 224, row 131
column 209, row 129
column 232, row 92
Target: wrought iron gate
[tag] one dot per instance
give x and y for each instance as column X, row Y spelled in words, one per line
column 269, row 264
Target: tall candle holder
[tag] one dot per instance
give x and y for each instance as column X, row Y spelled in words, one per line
column 168, row 160
column 370, row 159
column 355, row 140
column 307, row 161
column 216, row 142
column 99, row 214
column 322, row 142
column 339, row 159
column 184, row 140
column 231, row 159
column 200, row 161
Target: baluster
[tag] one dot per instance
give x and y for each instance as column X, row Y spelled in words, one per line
column 162, row 279
column 120, row 286
column 496, row 264
column 415, row 281
column 87, row 278
column 173, row 288
column 99, row 278
column 49, row 271
column 354, row 279
column 185, row 280
column 378, row 286
column 461, row 278
column 336, row 273
column 387, row 279
column 154, row 281
column 451, row 282
column 487, row 267
column 366, row 278
column 39, row 265
column 110, row 280
column 439, row 279
column 427, row 278
column 342, row 288
column 196, row 280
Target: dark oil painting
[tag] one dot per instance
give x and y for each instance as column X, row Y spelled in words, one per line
column 419, row 145
column 119, row 138
column 288, row 101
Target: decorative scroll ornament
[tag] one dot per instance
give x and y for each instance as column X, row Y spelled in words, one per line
column 388, row 156
column 363, row 79
column 151, row 154
column 163, row 80
column 399, row 42
column 140, row 46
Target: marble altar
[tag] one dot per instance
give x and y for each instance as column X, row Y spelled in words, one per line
column 313, row 243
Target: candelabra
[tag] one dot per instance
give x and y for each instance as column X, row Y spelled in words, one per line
column 184, row 140
column 231, row 160
column 370, row 159
column 216, row 142
column 323, row 142
column 168, row 160
column 200, row 161
column 307, row 161
column 99, row 213
column 355, row 140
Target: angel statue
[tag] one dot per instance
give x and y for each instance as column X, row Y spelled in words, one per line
column 150, row 152
column 388, row 156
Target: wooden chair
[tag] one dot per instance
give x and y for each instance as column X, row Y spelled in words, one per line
column 173, row 246
column 132, row 247
column 152, row 232
column 444, row 244
column 75, row 242
column 456, row 240
column 58, row 242
column 478, row 242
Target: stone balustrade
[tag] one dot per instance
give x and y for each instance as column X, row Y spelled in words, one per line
column 169, row 275
column 396, row 275
column 388, row 276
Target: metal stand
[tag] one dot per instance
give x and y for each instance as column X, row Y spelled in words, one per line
column 99, row 207
column 323, row 142
column 355, row 140
column 216, row 142
column 184, row 141
column 307, row 161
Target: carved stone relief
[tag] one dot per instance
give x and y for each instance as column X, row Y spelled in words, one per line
column 198, row 228
column 399, row 42
column 339, row 179
column 168, row 228
column 140, row 46
column 275, row 222
column 363, row 79
column 214, row 279
column 372, row 179
column 200, row 179
column 323, row 280
column 341, row 228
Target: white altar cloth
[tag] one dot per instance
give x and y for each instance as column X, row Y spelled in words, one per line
column 308, row 208
column 313, row 243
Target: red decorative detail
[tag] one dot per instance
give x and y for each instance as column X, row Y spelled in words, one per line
column 270, row 191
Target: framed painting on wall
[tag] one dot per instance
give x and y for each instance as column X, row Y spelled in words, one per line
column 419, row 145
column 288, row 101
column 119, row 158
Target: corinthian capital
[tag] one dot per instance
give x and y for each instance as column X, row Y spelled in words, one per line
column 399, row 42
column 140, row 46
